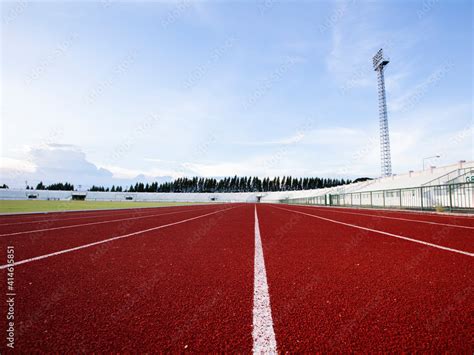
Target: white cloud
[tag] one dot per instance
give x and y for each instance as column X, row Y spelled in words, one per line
column 23, row 166
column 132, row 174
column 219, row 169
column 68, row 163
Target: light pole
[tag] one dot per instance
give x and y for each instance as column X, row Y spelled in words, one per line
column 380, row 62
column 433, row 156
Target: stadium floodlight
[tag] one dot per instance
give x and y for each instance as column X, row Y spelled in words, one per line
column 379, row 62
column 433, row 156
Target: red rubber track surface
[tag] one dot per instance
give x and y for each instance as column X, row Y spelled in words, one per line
column 189, row 286
column 334, row 287
column 51, row 219
column 47, row 241
column 446, row 233
column 133, row 217
column 457, row 219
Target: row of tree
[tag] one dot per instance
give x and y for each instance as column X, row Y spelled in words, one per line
column 200, row 184
column 230, row 184
column 106, row 189
column 59, row 186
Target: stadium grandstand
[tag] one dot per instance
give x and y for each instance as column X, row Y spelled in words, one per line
column 449, row 187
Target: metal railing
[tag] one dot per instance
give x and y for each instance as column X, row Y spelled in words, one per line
column 448, row 197
column 450, row 177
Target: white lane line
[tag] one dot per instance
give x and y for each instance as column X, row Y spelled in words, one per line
column 94, row 223
column 47, row 220
column 263, row 335
column 397, row 218
column 381, row 232
column 108, row 240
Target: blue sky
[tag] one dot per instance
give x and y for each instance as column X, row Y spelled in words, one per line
column 111, row 91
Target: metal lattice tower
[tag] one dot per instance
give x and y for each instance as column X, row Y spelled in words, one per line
column 379, row 63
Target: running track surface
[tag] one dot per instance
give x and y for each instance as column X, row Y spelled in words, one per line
column 239, row 277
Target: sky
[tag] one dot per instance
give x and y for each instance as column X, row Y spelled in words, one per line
column 112, row 92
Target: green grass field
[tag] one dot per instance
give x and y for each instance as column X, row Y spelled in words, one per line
column 17, row 206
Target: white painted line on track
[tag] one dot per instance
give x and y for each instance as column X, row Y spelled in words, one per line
column 108, row 240
column 396, row 218
column 264, row 341
column 381, row 232
column 94, row 223
column 47, row 220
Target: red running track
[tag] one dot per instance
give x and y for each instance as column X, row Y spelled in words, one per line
column 184, row 279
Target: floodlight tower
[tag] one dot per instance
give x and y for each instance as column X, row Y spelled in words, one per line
column 379, row 63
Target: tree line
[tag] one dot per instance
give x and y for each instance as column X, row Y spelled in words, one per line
column 231, row 184
column 59, row 186
column 106, row 189
column 201, row 184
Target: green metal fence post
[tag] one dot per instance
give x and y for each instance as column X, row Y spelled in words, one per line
column 400, row 198
column 450, row 190
column 421, row 197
